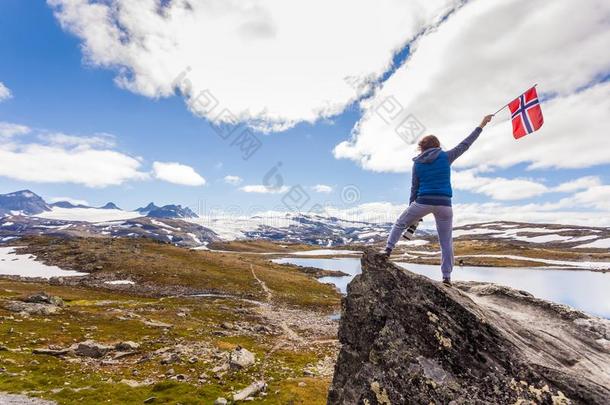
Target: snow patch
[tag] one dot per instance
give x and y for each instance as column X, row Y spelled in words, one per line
column 12, row 264
column 88, row 214
column 119, row 282
column 600, row 243
column 416, row 242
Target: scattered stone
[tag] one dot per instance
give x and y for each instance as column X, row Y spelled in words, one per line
column 52, row 352
column 158, row 324
column 127, row 346
column 150, row 400
column 170, row 358
column 120, row 355
column 241, row 358
column 250, row 390
column 220, row 401
column 222, row 367
column 18, row 399
column 44, row 298
column 302, row 384
column 131, row 383
column 90, row 348
column 193, row 360
column 31, row 308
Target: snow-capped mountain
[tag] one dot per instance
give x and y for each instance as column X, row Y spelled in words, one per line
column 67, row 204
column 173, row 231
column 25, row 213
column 145, row 210
column 166, row 211
column 171, row 211
column 297, row 227
column 110, row 206
column 22, row 202
column 539, row 234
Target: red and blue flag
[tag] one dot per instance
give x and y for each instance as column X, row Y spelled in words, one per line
column 526, row 113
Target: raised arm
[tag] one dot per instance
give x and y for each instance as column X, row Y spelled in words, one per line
column 465, row 144
column 414, row 185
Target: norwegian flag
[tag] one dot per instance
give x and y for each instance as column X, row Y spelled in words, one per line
column 526, row 113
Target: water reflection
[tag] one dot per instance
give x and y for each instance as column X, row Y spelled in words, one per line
column 585, row 290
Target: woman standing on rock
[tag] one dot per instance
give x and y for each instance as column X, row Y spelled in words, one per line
column 431, row 194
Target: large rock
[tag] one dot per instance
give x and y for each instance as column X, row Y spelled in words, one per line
column 30, row 308
column 407, row 339
column 44, row 298
column 90, row 348
column 241, row 358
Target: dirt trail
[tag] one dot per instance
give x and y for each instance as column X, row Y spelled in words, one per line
column 270, row 312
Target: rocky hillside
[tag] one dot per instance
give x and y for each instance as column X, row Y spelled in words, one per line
column 406, row 339
column 545, row 235
column 24, row 202
column 174, row 231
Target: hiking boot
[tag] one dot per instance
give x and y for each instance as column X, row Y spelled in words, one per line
column 386, row 253
column 446, row 281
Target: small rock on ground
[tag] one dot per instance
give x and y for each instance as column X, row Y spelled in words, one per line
column 14, row 399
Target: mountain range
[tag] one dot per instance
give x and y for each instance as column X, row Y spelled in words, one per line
column 26, row 213
column 26, row 202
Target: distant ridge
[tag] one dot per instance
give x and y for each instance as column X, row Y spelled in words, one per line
column 110, row 206
column 23, row 202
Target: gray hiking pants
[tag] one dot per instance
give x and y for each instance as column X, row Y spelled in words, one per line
column 443, row 216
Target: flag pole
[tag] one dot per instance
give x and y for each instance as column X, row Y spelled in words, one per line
column 506, row 105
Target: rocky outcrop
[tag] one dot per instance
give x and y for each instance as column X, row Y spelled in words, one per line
column 37, row 304
column 409, row 340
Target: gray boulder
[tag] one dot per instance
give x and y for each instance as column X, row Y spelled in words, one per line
column 90, row 348
column 241, row 358
column 407, row 339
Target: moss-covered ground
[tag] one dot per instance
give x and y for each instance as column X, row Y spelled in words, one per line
column 198, row 333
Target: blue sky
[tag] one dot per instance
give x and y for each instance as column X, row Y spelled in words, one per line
column 60, row 83
column 53, row 90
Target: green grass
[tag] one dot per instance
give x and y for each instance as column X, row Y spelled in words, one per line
column 111, row 316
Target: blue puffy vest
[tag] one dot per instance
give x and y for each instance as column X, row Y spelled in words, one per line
column 434, row 177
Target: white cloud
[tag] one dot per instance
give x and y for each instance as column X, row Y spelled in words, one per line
column 97, row 140
column 61, row 158
column 8, row 129
column 60, row 164
column 177, row 173
column 233, row 180
column 568, row 213
column 71, row 200
column 500, row 188
column 270, row 62
column 262, row 189
column 596, row 197
column 579, row 184
column 322, row 188
column 5, row 92
column 481, row 57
